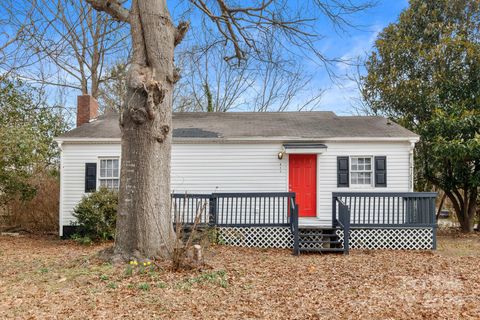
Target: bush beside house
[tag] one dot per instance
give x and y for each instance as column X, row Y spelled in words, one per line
column 96, row 216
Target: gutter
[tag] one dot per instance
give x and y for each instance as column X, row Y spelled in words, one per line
column 413, row 140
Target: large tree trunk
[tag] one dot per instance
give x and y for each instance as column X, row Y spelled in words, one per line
column 144, row 226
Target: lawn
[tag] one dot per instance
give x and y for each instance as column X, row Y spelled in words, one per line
column 46, row 278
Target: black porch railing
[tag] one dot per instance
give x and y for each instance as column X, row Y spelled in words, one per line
column 384, row 210
column 390, row 209
column 186, row 207
column 343, row 221
column 350, row 210
column 234, row 209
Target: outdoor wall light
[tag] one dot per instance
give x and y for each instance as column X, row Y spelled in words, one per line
column 280, row 155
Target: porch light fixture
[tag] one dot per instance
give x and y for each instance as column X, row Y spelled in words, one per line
column 280, row 155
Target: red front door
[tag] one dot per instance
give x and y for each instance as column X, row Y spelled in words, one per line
column 303, row 181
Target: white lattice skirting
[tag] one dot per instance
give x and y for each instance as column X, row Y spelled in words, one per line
column 258, row 237
column 281, row 237
column 397, row 239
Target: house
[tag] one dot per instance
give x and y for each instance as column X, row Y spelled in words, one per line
column 344, row 173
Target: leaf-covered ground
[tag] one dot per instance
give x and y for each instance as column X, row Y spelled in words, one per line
column 45, row 278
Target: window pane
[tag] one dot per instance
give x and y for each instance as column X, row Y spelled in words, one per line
column 354, row 167
column 102, row 173
column 360, row 178
column 115, row 172
column 368, row 178
column 111, row 184
column 115, row 164
column 368, row 167
column 354, row 161
column 354, row 178
column 368, row 160
column 361, row 160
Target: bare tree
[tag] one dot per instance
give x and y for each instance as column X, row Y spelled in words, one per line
column 61, row 43
column 282, row 83
column 113, row 89
column 211, row 83
column 144, row 227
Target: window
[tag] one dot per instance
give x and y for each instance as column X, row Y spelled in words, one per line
column 109, row 174
column 361, row 171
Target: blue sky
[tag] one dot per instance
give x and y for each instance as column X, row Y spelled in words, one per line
column 341, row 94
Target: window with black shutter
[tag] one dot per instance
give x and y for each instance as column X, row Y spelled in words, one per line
column 342, row 172
column 90, row 177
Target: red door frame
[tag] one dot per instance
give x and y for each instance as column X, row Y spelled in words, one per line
column 302, row 179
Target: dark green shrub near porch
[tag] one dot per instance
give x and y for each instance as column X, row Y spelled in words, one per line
column 96, row 215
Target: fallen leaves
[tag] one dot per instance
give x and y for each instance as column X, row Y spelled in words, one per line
column 46, row 278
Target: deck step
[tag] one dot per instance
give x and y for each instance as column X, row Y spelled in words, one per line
column 318, row 235
column 320, row 242
column 321, row 250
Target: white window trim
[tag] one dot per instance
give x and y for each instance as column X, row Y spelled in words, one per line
column 372, row 172
column 99, row 160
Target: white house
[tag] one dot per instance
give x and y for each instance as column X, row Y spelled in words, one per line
column 313, row 154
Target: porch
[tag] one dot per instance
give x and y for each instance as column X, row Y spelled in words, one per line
column 368, row 220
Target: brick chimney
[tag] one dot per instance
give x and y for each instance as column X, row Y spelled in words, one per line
column 87, row 109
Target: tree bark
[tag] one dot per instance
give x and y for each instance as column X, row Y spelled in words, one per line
column 440, row 206
column 464, row 203
column 144, row 226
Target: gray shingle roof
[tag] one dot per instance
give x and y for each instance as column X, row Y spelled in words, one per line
column 254, row 125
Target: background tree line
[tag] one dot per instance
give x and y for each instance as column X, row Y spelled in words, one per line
column 425, row 74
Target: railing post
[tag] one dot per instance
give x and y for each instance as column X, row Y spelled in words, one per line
column 212, row 210
column 334, row 211
column 296, row 240
column 433, row 221
column 346, row 231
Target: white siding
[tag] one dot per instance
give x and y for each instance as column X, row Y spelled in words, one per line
column 74, row 157
column 196, row 168
column 398, row 173
column 208, row 168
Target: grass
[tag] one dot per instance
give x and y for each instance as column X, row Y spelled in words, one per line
column 215, row 278
column 44, row 278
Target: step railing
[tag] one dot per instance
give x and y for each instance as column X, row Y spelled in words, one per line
column 343, row 221
column 294, row 226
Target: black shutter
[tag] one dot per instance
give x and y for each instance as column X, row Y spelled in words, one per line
column 342, row 172
column 90, row 177
column 381, row 171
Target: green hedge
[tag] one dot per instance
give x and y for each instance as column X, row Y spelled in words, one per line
column 96, row 215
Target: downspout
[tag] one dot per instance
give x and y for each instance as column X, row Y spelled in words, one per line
column 411, row 166
column 60, row 207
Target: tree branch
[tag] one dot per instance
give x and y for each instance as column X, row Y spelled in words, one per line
column 112, row 7
column 180, row 32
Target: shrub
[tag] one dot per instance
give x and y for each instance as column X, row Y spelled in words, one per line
column 96, row 215
column 40, row 213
